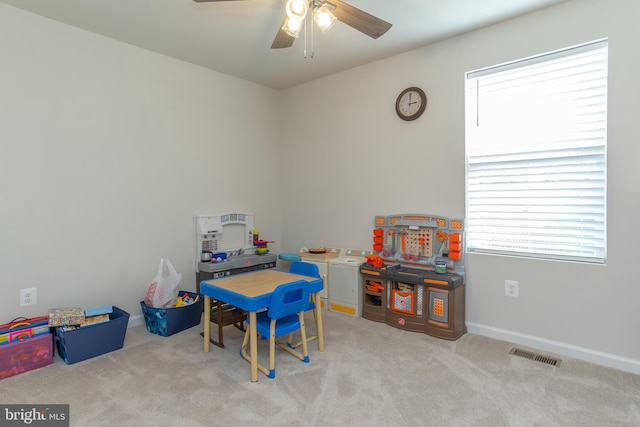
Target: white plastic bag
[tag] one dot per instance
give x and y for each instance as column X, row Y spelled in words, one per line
column 163, row 291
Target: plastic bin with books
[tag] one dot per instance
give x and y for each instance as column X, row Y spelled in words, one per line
column 83, row 334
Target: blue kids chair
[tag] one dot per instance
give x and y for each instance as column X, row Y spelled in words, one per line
column 304, row 269
column 284, row 316
column 307, row 269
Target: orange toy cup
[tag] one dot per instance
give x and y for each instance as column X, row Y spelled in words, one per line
column 455, row 247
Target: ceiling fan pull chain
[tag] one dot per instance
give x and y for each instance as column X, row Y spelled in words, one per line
column 305, row 38
column 308, row 22
column 311, row 25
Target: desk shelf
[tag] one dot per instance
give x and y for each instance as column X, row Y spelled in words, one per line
column 374, row 304
column 222, row 314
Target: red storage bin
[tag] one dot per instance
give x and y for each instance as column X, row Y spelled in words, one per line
column 22, row 356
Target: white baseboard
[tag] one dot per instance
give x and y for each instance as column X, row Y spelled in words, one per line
column 581, row 353
column 135, row 321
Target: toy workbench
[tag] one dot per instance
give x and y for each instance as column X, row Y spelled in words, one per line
column 421, row 284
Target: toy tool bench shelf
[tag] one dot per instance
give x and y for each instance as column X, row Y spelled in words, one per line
column 415, row 300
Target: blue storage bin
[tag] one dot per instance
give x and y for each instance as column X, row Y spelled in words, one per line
column 168, row 321
column 91, row 341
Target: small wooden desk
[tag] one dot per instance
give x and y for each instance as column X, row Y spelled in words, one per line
column 252, row 292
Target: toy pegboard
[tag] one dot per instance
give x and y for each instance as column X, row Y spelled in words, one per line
column 421, row 241
column 416, row 242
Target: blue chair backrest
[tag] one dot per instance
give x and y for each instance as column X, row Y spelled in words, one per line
column 290, row 298
column 304, row 269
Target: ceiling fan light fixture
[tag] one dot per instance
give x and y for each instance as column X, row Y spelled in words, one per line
column 297, row 9
column 324, row 18
column 292, row 27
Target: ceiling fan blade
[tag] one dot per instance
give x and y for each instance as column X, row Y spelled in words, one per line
column 360, row 20
column 282, row 39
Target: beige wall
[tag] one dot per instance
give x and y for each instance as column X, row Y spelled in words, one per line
column 108, row 153
column 364, row 161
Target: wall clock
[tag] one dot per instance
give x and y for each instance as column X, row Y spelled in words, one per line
column 411, row 103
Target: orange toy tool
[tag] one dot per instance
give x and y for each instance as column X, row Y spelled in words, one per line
column 374, row 260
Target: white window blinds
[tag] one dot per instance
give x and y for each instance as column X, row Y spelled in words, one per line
column 536, row 156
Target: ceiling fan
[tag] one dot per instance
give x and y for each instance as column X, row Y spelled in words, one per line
column 324, row 12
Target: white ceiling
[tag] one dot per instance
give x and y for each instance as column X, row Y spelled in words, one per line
column 234, row 37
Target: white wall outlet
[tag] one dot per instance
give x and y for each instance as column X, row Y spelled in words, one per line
column 511, row 288
column 28, row 297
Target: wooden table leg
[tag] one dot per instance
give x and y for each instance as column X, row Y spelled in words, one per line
column 253, row 345
column 318, row 316
column 207, row 323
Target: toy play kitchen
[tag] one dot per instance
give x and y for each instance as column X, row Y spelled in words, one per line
column 415, row 279
column 227, row 244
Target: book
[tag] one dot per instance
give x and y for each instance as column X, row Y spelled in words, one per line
column 94, row 320
column 66, row 316
column 98, row 310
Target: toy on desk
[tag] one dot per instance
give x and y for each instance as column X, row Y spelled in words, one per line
column 219, row 257
column 261, row 245
column 374, row 260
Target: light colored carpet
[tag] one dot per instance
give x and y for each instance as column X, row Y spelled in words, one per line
column 370, row 374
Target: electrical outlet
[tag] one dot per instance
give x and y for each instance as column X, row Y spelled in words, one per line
column 28, row 297
column 511, row 288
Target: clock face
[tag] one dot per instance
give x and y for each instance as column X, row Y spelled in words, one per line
column 411, row 103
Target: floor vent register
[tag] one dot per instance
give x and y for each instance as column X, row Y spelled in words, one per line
column 535, row 357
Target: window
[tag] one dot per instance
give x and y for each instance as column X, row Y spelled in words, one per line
column 536, row 156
